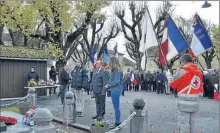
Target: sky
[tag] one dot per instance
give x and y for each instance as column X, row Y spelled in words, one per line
column 185, row 9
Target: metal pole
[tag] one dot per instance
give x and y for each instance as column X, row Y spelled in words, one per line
column 157, row 38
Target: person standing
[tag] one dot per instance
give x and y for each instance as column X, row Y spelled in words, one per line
column 137, row 78
column 115, row 82
column 128, row 80
column 64, row 81
column 33, row 75
column 188, row 82
column 78, row 83
column 98, row 86
column 143, row 81
column 53, row 74
column 161, row 79
column 154, row 82
column 148, row 81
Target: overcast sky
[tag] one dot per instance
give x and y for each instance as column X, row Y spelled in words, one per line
column 184, row 8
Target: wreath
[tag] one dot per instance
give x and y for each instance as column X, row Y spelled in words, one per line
column 8, row 120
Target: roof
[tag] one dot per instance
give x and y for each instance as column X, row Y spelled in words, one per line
column 112, row 52
column 17, row 52
column 128, row 62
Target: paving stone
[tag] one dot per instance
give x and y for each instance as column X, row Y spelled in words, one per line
column 162, row 111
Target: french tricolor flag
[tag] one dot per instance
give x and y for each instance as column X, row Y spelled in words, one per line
column 92, row 58
column 201, row 40
column 133, row 80
column 105, row 57
column 216, row 95
column 172, row 43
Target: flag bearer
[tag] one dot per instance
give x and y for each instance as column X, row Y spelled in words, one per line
column 188, row 82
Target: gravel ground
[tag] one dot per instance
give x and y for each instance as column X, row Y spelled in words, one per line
column 162, row 111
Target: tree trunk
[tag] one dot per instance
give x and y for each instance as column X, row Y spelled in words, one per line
column 25, row 41
column 12, row 37
column 1, row 32
column 138, row 64
column 208, row 63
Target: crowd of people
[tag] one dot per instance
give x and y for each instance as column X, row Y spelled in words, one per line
column 188, row 83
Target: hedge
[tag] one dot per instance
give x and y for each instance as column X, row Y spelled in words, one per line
column 23, row 52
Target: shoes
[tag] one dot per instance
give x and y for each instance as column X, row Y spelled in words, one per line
column 114, row 126
column 95, row 117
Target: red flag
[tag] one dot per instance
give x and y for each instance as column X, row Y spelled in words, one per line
column 191, row 54
column 216, row 96
column 163, row 48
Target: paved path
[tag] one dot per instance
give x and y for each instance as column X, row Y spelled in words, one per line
column 162, row 111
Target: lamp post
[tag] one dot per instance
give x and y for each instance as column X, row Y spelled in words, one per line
column 206, row 5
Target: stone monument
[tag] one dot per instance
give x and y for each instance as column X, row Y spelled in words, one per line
column 139, row 123
column 69, row 108
column 42, row 119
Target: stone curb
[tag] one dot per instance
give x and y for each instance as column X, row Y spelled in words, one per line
column 74, row 125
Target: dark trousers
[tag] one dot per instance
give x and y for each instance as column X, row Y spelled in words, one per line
column 154, row 84
column 63, row 92
column 148, row 86
column 143, row 86
column 160, row 88
column 129, row 87
column 100, row 104
column 136, row 87
column 123, row 92
column 210, row 93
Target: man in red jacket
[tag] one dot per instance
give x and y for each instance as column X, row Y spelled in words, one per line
column 188, row 82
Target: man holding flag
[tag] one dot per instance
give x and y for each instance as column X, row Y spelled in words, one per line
column 188, row 82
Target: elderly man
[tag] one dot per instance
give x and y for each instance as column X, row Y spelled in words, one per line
column 98, row 86
column 78, row 83
column 188, row 82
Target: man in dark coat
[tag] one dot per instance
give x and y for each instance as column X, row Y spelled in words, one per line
column 33, row 75
column 148, row 79
column 128, row 80
column 161, row 78
column 154, row 82
column 98, row 85
column 64, row 81
column 53, row 74
column 143, row 81
column 78, row 83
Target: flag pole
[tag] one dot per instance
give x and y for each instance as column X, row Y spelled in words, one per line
column 157, row 38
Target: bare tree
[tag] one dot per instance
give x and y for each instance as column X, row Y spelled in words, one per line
column 109, row 33
column 98, row 39
column 132, row 32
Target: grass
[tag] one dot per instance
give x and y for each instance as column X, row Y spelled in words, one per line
column 13, row 109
